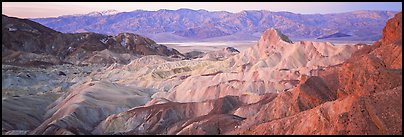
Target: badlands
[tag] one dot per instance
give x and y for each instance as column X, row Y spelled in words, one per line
column 87, row 83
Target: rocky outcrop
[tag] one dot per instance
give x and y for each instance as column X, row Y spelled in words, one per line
column 351, row 115
column 369, row 98
column 365, row 75
column 391, row 50
column 377, row 68
column 312, row 92
column 393, row 31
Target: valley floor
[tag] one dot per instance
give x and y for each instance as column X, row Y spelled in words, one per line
column 184, row 47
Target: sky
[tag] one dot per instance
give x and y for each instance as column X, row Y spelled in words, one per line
column 54, row 9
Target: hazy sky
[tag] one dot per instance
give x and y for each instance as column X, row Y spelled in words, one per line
column 54, row 9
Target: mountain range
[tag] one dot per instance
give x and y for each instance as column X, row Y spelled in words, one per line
column 202, row 25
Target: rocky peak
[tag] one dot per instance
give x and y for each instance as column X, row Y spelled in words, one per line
column 273, row 36
column 392, row 32
column 272, row 39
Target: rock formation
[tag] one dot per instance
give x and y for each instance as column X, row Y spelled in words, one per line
column 369, row 96
column 270, row 66
column 275, row 87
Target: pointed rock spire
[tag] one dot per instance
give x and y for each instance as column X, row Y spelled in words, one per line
column 274, row 35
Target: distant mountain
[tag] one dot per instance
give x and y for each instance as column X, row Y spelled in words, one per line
column 187, row 24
